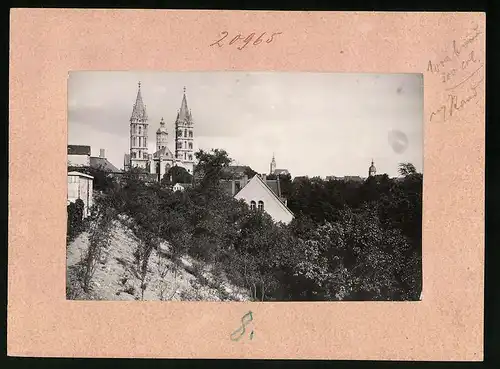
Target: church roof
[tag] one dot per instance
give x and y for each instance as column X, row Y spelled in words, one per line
column 184, row 114
column 164, row 152
column 103, row 164
column 139, row 110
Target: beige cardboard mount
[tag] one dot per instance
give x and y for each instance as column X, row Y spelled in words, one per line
column 448, row 48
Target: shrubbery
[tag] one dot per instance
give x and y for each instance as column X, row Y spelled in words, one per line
column 349, row 241
column 75, row 223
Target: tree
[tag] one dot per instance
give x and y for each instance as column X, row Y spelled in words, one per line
column 406, row 169
column 250, row 172
column 211, row 165
column 177, row 174
column 286, row 185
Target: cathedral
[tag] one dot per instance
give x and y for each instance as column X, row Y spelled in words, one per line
column 162, row 159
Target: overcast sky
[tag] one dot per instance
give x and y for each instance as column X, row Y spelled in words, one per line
column 315, row 123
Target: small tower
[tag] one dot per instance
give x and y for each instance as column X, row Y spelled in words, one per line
column 139, row 133
column 184, row 143
column 161, row 136
column 272, row 165
column 372, row 171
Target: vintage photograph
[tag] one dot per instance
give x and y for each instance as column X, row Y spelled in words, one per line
column 244, row 186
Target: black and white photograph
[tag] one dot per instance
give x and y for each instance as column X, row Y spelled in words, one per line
column 244, row 186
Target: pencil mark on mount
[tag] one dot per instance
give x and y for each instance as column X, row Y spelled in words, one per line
column 243, row 41
column 466, row 79
column 455, row 103
column 238, row 333
column 443, row 67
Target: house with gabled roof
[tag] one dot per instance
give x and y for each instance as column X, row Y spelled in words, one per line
column 260, row 196
column 102, row 163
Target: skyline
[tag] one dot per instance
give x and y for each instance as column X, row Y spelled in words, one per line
column 310, row 121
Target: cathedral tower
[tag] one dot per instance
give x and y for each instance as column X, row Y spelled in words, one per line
column 161, row 136
column 184, row 145
column 139, row 133
column 272, row 166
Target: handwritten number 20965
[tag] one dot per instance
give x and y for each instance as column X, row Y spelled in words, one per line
column 243, row 41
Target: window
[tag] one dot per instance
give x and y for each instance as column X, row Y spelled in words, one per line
column 185, row 133
column 190, row 157
column 261, row 205
column 237, row 186
column 185, row 144
column 140, row 129
column 252, row 205
column 191, row 146
column 190, row 133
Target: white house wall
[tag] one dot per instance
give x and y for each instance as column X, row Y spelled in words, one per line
column 80, row 187
column 78, row 160
column 257, row 191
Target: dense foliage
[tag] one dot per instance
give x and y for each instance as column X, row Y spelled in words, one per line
column 348, row 241
column 75, row 223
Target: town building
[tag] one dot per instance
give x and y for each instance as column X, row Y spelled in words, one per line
column 264, row 195
column 277, row 172
column 102, row 163
column 80, row 186
column 372, row 171
column 78, row 156
column 181, row 187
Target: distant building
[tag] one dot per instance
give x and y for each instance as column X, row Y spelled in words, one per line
column 346, row 178
column 180, row 186
column 274, row 171
column 372, row 170
column 78, row 155
column 80, row 186
column 260, row 195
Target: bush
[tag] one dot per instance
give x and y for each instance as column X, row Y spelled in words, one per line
column 349, row 241
column 75, row 222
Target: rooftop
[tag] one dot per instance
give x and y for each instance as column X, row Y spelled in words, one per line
column 78, row 150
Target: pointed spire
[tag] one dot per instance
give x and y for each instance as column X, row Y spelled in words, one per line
column 139, row 111
column 184, row 113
